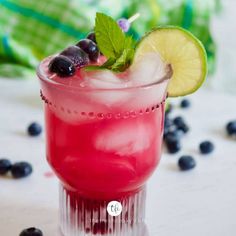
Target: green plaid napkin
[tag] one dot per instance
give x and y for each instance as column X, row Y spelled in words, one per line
column 33, row 29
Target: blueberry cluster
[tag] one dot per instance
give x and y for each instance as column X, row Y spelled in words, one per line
column 76, row 56
column 174, row 130
column 18, row 170
column 31, row 232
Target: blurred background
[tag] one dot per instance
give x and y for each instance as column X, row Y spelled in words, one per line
column 32, row 30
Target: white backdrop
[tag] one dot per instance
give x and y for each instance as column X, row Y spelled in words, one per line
column 224, row 33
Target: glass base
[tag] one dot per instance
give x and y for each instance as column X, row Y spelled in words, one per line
column 86, row 217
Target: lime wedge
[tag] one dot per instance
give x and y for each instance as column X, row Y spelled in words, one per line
column 183, row 51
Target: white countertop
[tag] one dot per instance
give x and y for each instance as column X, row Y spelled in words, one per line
column 201, row 202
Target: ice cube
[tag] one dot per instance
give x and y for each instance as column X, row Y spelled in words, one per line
column 125, row 138
column 148, row 69
column 105, row 84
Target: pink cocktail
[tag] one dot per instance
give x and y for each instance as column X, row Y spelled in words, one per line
column 103, row 142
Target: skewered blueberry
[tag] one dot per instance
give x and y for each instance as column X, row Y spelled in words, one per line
column 186, row 162
column 31, row 232
column 34, row 129
column 21, row 169
column 206, row 147
column 185, row 103
column 90, row 48
column 92, row 36
column 62, row 65
column 76, row 55
column 231, row 128
column 5, row 166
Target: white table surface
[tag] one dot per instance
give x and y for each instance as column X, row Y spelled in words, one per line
column 201, row 202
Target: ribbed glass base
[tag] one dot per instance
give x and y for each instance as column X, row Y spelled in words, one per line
column 86, row 217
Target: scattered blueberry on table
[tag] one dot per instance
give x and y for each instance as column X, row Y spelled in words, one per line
column 21, row 169
column 5, row 166
column 179, row 121
column 206, row 147
column 231, row 128
column 186, row 162
column 172, row 143
column 31, row 232
column 34, row 129
column 183, row 127
column 185, row 103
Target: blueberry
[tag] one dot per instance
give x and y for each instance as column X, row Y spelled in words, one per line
column 34, row 129
column 171, row 136
column 92, row 36
column 168, row 122
column 178, row 121
column 5, row 166
column 206, row 147
column 186, row 162
column 124, row 24
column 90, row 48
column 76, row 55
column 21, row 169
column 62, row 65
column 31, row 232
column 183, row 127
column 172, row 143
column 231, row 128
column 185, row 103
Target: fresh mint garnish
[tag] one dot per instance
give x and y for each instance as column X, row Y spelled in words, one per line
column 113, row 43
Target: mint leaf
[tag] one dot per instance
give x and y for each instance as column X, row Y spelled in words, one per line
column 106, row 65
column 109, row 36
column 113, row 43
column 124, row 61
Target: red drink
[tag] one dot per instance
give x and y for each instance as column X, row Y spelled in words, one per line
column 103, row 144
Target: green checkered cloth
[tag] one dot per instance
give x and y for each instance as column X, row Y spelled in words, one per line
column 33, row 29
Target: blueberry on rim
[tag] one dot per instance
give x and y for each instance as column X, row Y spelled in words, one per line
column 92, row 36
column 62, row 66
column 90, row 48
column 76, row 55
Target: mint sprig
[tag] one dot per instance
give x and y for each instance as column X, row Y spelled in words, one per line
column 113, row 43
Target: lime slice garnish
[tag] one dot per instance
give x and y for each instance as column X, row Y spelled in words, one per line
column 183, row 51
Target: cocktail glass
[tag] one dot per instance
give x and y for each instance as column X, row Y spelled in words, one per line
column 103, row 144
